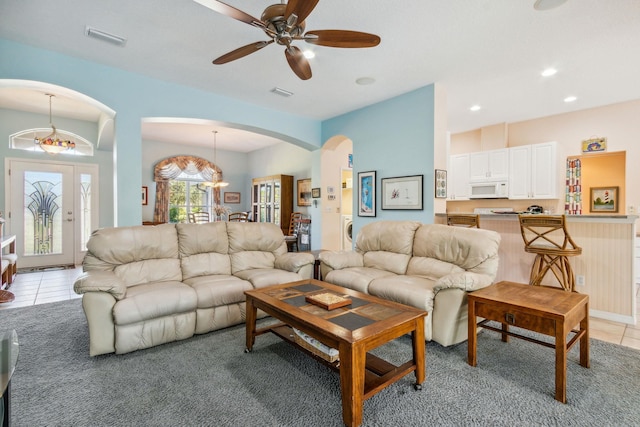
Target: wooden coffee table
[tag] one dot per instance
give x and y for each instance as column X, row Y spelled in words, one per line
column 549, row 311
column 366, row 323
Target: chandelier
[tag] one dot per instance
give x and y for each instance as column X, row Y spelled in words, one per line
column 51, row 143
column 216, row 182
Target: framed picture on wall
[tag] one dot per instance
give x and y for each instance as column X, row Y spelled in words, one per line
column 403, row 192
column 304, row 192
column 441, row 184
column 315, row 193
column 145, row 195
column 367, row 193
column 604, row 199
column 231, row 197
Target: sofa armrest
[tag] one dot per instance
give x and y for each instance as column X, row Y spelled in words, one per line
column 337, row 260
column 100, row 281
column 467, row 281
column 294, row 261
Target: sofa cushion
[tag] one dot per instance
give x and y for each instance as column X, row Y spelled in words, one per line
column 409, row 290
column 390, row 261
column 150, row 270
column 205, row 265
column 388, row 236
column 153, row 300
column 261, row 277
column 430, row 268
column 202, row 238
column 254, row 245
column 204, row 249
column 121, row 245
column 218, row 290
column 356, row 278
column 467, row 248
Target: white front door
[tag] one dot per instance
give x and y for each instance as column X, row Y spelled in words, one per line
column 52, row 211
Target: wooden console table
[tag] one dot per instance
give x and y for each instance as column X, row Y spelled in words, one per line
column 10, row 259
column 545, row 310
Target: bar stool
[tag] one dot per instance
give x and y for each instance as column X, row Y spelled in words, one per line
column 547, row 237
column 463, row 220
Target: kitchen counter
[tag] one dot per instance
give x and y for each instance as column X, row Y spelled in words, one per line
column 570, row 218
column 606, row 263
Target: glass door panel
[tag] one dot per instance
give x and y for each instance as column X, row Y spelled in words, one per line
column 52, row 211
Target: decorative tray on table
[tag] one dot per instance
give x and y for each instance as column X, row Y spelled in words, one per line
column 328, row 300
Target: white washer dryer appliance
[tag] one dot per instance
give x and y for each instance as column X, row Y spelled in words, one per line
column 347, row 226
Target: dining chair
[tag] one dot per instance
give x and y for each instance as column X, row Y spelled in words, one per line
column 238, row 216
column 292, row 237
column 198, row 217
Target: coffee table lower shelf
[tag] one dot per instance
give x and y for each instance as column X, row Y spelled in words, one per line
column 378, row 372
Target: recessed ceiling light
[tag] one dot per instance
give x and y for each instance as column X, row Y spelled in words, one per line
column 549, row 72
column 309, row 54
column 365, row 81
column 570, row 98
column 475, row 108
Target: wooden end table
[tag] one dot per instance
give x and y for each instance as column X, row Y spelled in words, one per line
column 355, row 329
column 549, row 311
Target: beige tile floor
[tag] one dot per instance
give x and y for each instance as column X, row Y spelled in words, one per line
column 57, row 285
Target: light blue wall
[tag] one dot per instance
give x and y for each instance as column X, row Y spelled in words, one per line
column 135, row 97
column 394, row 138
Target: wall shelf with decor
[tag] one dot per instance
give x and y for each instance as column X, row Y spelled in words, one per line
column 272, row 200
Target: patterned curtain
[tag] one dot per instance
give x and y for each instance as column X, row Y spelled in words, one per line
column 573, row 197
column 170, row 168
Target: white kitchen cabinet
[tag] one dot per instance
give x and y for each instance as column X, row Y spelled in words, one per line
column 490, row 165
column 458, row 177
column 533, row 171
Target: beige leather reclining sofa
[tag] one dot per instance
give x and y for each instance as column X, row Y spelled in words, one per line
column 428, row 266
column 148, row 285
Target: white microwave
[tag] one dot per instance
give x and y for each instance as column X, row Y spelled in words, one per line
column 489, row 190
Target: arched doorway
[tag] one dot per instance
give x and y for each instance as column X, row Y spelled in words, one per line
column 337, row 205
column 51, row 202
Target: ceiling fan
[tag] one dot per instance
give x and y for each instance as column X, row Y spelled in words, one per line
column 285, row 23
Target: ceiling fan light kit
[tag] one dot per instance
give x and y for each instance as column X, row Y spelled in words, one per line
column 284, row 24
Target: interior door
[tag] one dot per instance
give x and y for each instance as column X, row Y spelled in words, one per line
column 42, row 213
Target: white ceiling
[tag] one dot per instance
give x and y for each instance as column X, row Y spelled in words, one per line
column 487, row 52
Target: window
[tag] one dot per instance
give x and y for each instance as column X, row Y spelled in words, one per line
column 188, row 196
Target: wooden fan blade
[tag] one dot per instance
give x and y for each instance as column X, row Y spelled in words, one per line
column 301, row 8
column 298, row 62
column 232, row 12
column 341, row 38
column 241, row 52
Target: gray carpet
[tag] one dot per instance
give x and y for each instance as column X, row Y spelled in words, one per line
column 209, row 381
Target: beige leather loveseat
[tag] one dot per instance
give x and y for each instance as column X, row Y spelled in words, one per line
column 148, row 285
column 428, row 266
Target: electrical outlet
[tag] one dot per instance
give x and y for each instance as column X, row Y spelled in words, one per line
column 579, row 280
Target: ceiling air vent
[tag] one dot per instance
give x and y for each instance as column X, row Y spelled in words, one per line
column 281, row 92
column 104, row 36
